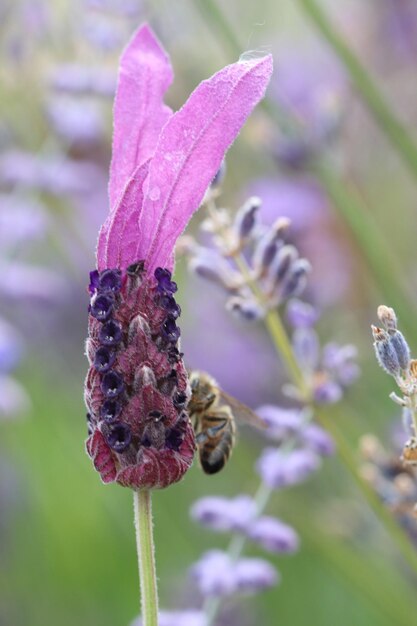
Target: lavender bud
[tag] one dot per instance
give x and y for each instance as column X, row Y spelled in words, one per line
column 110, row 410
column 211, row 266
column 110, row 280
column 327, row 391
column 112, row 384
column 223, row 514
column 281, row 423
column 245, row 221
column 214, row 574
column 102, row 307
column 295, row 281
column 301, row 314
column 387, row 317
column 306, row 347
column 401, row 348
column 274, row 535
column 385, row 352
column 317, row 439
column 104, row 359
column 118, row 436
column 110, row 333
column 253, row 575
column 267, row 246
column 282, row 262
column 247, row 308
column 279, row 469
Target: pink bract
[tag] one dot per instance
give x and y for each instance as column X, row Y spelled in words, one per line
column 162, row 162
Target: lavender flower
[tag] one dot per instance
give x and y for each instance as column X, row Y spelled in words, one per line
column 178, row 618
column 161, row 167
column 216, row 574
column 223, row 514
column 273, row 535
column 279, row 469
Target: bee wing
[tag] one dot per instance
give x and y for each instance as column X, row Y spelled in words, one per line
column 241, row 411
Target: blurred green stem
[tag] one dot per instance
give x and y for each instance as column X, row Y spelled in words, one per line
column 398, row 135
column 146, row 557
column 375, row 248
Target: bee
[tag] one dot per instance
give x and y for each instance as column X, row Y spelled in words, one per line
column 213, row 412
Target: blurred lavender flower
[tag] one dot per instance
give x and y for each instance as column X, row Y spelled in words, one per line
column 327, row 371
column 309, row 89
column 395, row 484
column 77, row 79
column 178, row 618
column 79, row 123
column 217, row 574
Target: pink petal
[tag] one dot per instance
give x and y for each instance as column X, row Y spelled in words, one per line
column 190, row 150
column 145, row 74
column 118, row 239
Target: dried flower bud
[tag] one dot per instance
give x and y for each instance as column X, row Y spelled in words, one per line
column 385, row 352
column 387, row 317
column 409, row 454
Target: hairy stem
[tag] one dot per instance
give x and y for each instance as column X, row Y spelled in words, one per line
column 146, row 557
column 398, row 135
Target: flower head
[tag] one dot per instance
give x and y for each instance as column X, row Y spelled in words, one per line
column 136, row 388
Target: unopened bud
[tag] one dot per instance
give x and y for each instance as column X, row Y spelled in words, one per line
column 398, row 342
column 246, row 218
column 385, row 352
column 212, row 267
column 245, row 308
column 282, row 263
column 296, row 279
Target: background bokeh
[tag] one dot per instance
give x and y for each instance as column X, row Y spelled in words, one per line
column 67, row 552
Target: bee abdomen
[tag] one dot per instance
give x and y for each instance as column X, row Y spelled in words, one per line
column 214, row 454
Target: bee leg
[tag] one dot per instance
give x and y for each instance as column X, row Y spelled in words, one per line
column 201, row 437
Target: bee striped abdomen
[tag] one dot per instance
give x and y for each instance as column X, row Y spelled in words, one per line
column 216, row 450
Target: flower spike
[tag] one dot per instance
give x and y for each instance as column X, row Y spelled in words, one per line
column 136, row 389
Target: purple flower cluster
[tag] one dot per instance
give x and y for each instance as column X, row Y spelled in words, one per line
column 297, row 456
column 328, row 370
column 242, row 242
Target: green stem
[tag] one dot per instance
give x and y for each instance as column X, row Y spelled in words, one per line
column 398, row 134
column 146, row 557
